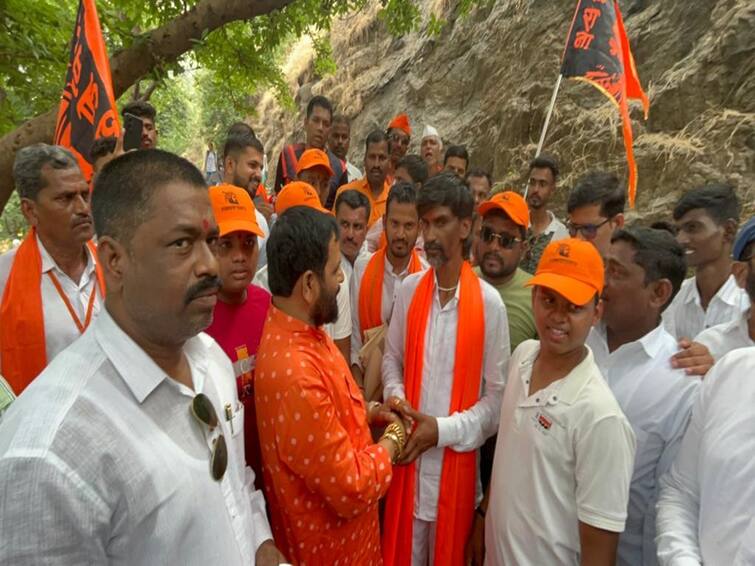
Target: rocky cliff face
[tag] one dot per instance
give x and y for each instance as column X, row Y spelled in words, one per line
column 486, row 81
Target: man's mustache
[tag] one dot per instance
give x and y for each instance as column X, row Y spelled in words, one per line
column 202, row 286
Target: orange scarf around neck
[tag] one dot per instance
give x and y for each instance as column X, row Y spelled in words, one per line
column 456, row 499
column 371, row 288
column 22, row 332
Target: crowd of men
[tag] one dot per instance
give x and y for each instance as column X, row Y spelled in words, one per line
column 399, row 366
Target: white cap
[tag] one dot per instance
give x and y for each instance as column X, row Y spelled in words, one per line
column 429, row 131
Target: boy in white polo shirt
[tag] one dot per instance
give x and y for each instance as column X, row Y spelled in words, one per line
column 565, row 451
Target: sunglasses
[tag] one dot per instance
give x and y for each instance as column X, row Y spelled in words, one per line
column 204, row 412
column 505, row 240
column 589, row 231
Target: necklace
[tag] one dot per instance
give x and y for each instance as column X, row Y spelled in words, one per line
column 446, row 289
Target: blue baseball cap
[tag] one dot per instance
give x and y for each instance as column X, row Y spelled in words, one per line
column 745, row 236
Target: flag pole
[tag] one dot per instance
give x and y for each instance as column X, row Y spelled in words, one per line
column 547, row 122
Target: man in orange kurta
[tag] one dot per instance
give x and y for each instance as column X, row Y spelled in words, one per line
column 323, row 473
column 374, row 185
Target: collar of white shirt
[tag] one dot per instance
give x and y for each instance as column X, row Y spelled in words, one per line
column 48, row 263
column 568, row 387
column 136, row 368
column 730, row 293
column 651, row 343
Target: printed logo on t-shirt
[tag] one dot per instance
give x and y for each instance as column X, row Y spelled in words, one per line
column 243, row 367
column 543, row 422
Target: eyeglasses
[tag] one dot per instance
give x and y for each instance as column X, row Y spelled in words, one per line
column 204, row 412
column 505, row 240
column 589, row 231
column 397, row 138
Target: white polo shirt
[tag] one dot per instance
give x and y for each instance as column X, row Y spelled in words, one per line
column 723, row 338
column 564, row 455
column 706, row 506
column 685, row 317
column 657, row 400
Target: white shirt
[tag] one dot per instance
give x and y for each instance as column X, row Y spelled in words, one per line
column 211, row 162
column 685, row 317
column 353, row 172
column 391, row 284
column 337, row 330
column 463, row 431
column 706, row 507
column 564, row 454
column 723, row 338
column 262, row 241
column 108, row 465
column 657, row 400
column 557, row 228
column 60, row 328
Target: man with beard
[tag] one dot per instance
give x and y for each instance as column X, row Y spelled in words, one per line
column 147, row 114
column 740, row 331
column 339, row 141
column 323, row 469
column 130, row 443
column 456, row 160
column 374, row 185
column 706, row 219
column 352, row 213
column 243, row 159
column 446, row 350
column 399, row 134
column 377, row 279
column 241, row 309
column 431, row 150
column 317, row 129
column 644, row 270
column 480, row 184
column 51, row 285
column 545, row 227
column 505, row 220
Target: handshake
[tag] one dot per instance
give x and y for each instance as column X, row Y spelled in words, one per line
column 410, row 431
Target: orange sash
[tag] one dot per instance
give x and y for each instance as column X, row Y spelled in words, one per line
column 456, row 498
column 22, row 331
column 371, row 289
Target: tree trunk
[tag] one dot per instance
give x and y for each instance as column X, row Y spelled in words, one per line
column 162, row 45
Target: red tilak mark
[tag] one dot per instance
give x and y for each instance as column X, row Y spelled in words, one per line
column 205, row 224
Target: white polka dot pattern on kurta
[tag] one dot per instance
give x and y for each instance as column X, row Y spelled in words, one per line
column 328, row 475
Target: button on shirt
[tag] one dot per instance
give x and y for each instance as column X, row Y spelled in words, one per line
column 391, row 284
column 60, row 328
column 706, row 501
column 723, row 338
column 564, row 454
column 463, row 431
column 323, row 473
column 108, row 465
column 657, row 400
column 685, row 317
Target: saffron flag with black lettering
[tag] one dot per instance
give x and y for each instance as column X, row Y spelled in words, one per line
column 597, row 51
column 87, row 107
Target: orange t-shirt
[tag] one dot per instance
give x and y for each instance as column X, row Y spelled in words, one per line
column 323, row 473
column 377, row 205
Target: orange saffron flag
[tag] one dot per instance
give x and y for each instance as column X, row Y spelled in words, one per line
column 87, row 106
column 597, row 51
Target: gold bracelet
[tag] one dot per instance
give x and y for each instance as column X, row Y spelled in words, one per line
column 399, row 431
column 393, row 438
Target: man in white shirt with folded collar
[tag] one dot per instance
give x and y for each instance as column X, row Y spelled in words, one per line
column 706, row 219
column 706, row 500
column 644, row 270
column 128, row 448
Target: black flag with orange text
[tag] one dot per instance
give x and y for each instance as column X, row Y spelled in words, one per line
column 597, row 51
column 87, row 107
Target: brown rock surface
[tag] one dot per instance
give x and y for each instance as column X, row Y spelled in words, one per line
column 486, row 81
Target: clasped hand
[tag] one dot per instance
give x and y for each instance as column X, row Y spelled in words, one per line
column 421, row 429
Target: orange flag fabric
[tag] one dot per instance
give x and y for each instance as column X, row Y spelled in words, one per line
column 456, row 500
column 597, row 52
column 87, row 108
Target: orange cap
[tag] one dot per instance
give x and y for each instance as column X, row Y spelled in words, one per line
column 573, row 268
column 513, row 204
column 312, row 158
column 234, row 210
column 402, row 123
column 298, row 193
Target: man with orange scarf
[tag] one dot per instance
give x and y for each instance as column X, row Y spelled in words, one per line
column 446, row 351
column 377, row 279
column 51, row 285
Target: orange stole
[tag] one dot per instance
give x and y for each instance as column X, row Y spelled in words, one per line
column 456, row 498
column 22, row 332
column 371, row 289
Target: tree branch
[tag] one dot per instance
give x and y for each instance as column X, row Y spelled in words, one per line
column 162, row 45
